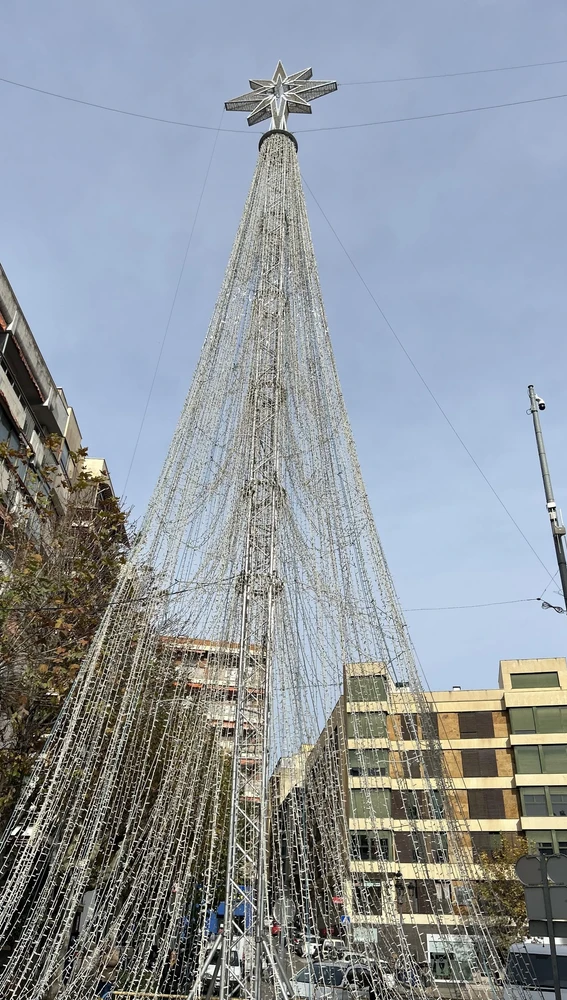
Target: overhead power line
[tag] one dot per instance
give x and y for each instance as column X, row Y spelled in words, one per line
column 238, row 131
column 425, row 384
column 445, row 76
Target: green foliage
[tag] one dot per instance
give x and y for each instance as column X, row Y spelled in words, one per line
column 56, row 584
column 501, row 894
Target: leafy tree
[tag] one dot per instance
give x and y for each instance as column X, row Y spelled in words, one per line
column 58, row 574
column 501, row 894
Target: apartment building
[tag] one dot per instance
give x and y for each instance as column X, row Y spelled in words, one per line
column 207, row 670
column 496, row 758
column 36, row 421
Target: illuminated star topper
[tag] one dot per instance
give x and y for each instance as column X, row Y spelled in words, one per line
column 281, row 96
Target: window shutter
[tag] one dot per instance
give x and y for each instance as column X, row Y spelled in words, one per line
column 471, row 765
column 486, row 803
column 476, row 725
column 404, row 847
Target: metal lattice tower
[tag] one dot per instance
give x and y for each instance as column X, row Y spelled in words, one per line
column 258, row 577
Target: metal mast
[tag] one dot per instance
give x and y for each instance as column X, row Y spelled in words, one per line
column 260, row 582
column 557, row 528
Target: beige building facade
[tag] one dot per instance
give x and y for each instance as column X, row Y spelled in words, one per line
column 425, row 789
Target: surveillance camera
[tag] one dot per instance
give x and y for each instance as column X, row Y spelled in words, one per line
column 540, row 402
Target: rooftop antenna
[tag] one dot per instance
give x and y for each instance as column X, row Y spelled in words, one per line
column 557, row 528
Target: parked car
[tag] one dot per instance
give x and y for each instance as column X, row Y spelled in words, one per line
column 333, row 981
column 233, row 971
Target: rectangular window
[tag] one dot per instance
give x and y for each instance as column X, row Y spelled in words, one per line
column 479, row 763
column 370, row 846
column 527, row 760
column 410, row 804
column 551, row 719
column 534, row 802
column 368, row 895
column 542, row 719
column 486, row 803
column 554, row 758
column 558, row 801
column 433, row 763
column 439, row 848
column 541, row 841
column 485, row 843
column 370, row 687
column 522, row 720
column 370, row 762
column 366, row 725
column 370, row 803
column 547, row 679
column 476, row 725
column 436, row 804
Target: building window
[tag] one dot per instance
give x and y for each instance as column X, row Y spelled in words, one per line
column 550, row 759
column 370, row 846
column 370, row 687
column 436, row 804
column 554, row 758
column 368, row 896
column 558, row 801
column 534, row 802
column 410, row 804
column 485, row 843
column 547, row 841
column 548, row 801
column 547, row 679
column 370, row 762
column 542, row 719
column 443, row 891
column 479, row 763
column 65, row 456
column 486, row 803
column 527, row 760
column 476, row 725
column 366, row 725
column 433, row 763
column 408, row 726
column 439, row 849
column 370, row 803
column 464, row 896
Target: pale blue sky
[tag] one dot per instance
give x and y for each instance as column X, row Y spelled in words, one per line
column 457, row 224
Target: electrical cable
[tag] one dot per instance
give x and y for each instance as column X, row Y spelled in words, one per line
column 327, row 128
column 438, row 114
column 169, row 318
column 445, row 76
column 461, row 607
column 424, row 382
column 116, row 111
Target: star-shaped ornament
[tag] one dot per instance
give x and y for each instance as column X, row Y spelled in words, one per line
column 281, row 96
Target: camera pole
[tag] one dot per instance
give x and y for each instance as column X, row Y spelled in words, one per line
column 557, row 529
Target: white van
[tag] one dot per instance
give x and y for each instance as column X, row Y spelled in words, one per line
column 528, row 970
